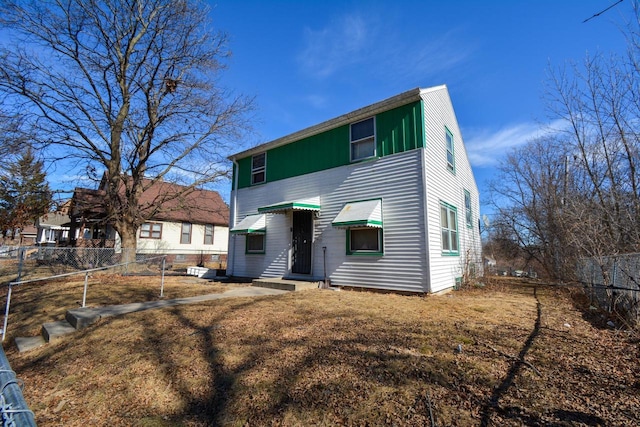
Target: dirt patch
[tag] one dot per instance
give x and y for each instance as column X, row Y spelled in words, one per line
column 501, row 355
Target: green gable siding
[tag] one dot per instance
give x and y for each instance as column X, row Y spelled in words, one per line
column 400, row 129
column 318, row 152
column 397, row 130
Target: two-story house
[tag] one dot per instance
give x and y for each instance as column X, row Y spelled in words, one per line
column 382, row 197
column 188, row 225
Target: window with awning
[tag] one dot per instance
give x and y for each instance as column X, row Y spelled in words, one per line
column 363, row 223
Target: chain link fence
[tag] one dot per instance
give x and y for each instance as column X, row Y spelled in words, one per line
column 13, row 407
column 29, row 262
column 613, row 283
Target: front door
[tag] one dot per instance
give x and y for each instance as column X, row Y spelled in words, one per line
column 301, row 242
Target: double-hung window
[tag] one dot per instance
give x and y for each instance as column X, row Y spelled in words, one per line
column 185, row 233
column 150, row 230
column 208, row 234
column 259, row 168
column 449, row 227
column 467, row 209
column 451, row 162
column 363, row 139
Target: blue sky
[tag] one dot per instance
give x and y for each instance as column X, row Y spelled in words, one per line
column 307, row 62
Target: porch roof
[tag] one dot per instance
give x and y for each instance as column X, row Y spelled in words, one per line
column 308, row 204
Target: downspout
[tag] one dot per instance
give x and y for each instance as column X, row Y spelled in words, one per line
column 232, row 219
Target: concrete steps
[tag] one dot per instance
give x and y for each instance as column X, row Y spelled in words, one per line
column 285, row 284
column 80, row 318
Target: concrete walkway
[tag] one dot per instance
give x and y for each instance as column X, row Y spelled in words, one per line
column 80, row 318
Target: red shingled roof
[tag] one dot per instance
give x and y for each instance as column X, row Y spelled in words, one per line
column 161, row 201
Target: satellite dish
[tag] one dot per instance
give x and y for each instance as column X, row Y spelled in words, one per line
column 485, row 220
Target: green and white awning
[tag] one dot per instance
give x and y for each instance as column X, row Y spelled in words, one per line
column 367, row 213
column 308, row 204
column 251, row 224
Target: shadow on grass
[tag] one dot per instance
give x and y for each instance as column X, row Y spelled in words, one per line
column 494, row 402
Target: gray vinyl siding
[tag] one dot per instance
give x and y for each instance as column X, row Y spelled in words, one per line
column 445, row 186
column 396, row 179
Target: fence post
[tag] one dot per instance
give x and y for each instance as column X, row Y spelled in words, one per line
column 84, row 293
column 21, row 252
column 164, row 259
column 6, row 312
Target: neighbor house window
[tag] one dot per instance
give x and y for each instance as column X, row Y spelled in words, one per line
column 208, row 234
column 150, row 230
column 259, row 168
column 451, row 164
column 467, row 209
column 185, row 234
column 255, row 243
column 364, row 241
column 363, row 139
column 449, row 227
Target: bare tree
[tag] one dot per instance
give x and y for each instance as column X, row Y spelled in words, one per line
column 529, row 193
column 577, row 192
column 125, row 86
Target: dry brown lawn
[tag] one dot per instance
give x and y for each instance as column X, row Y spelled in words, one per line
column 530, row 356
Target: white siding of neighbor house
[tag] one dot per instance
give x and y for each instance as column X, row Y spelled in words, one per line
column 444, row 186
column 396, row 179
column 170, row 241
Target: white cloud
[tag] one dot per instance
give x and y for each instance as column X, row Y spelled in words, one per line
column 485, row 147
column 344, row 41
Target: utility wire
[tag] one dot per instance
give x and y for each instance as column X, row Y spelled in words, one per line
column 603, row 11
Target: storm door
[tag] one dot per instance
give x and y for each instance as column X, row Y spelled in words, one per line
column 301, row 242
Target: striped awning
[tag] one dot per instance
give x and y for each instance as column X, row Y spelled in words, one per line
column 367, row 213
column 308, row 204
column 251, row 224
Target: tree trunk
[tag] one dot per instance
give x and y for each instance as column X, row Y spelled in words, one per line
column 128, row 237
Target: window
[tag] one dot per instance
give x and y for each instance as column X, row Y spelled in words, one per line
column 467, row 209
column 150, row 230
column 255, row 243
column 449, row 226
column 363, row 139
column 451, row 165
column 208, row 234
column 185, row 234
column 364, row 241
column 259, row 168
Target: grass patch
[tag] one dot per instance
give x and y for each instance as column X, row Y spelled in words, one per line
column 341, row 358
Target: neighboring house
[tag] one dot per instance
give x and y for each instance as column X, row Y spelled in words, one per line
column 383, row 197
column 53, row 229
column 184, row 225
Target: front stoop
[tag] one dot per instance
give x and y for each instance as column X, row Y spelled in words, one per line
column 285, row 284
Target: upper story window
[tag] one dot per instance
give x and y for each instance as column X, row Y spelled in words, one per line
column 259, row 168
column 363, row 139
column 451, row 162
column 208, row 234
column 150, row 230
column 185, row 234
column 467, row 209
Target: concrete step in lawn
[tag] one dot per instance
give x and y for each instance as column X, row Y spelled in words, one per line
column 50, row 332
column 80, row 318
column 285, row 284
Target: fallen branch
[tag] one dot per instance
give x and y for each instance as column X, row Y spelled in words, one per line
column 511, row 356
